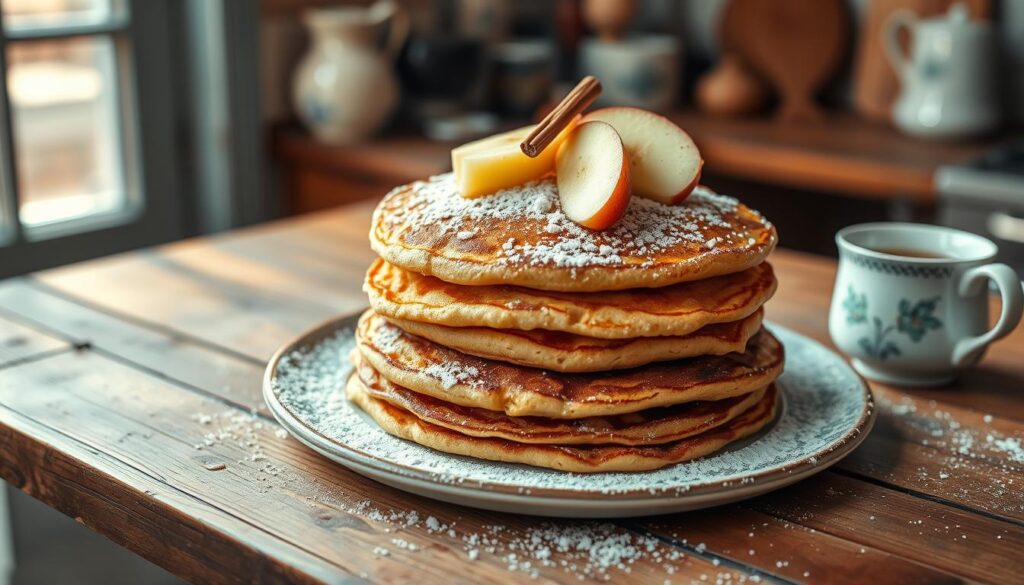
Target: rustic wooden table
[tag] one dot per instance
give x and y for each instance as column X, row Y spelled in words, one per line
column 130, row 400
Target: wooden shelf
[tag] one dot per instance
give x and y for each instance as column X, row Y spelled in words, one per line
column 840, row 154
column 319, row 176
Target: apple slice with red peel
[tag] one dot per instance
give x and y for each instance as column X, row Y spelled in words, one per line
column 665, row 164
column 593, row 175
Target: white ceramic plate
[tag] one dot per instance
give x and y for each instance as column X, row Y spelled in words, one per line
column 826, row 412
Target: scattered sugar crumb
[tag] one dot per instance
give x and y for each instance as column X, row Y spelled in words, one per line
column 452, row 374
column 1011, row 446
column 954, row 447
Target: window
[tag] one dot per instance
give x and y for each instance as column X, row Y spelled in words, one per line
column 88, row 164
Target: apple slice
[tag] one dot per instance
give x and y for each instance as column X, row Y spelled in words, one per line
column 494, row 163
column 664, row 162
column 593, row 176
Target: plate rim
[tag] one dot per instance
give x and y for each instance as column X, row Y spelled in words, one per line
column 762, row 481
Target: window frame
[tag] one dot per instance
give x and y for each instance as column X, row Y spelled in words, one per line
column 151, row 92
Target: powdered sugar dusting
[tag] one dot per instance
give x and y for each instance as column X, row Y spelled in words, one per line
column 598, row 551
column 823, row 400
column 451, row 374
column 387, row 340
column 647, row 228
column 968, row 457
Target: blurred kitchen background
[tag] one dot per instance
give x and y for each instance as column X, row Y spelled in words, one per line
column 125, row 123
column 128, row 123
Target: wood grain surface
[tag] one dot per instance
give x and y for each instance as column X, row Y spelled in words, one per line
column 130, row 400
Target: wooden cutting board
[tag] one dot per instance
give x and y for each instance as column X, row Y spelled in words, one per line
column 797, row 45
column 875, row 84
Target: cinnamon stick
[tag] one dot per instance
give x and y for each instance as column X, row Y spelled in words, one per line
column 581, row 96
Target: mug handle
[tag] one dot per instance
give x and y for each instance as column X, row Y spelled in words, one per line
column 971, row 283
column 898, row 20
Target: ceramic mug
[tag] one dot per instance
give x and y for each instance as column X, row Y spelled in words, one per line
column 910, row 305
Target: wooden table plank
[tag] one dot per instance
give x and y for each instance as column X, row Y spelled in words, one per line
column 791, row 550
column 150, row 288
column 944, row 537
column 247, row 302
column 232, row 377
column 322, row 256
column 19, row 343
column 120, row 496
column 944, row 452
column 222, row 467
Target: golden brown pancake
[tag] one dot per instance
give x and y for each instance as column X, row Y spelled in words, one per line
column 648, row 427
column 565, row 352
column 520, row 236
column 432, row 369
column 582, row 459
column 672, row 310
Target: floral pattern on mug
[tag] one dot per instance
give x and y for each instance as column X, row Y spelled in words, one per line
column 913, row 320
column 856, row 307
column 878, row 346
column 918, row 319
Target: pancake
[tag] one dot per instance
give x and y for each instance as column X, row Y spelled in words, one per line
column 648, row 427
column 520, row 236
column 435, row 370
column 565, row 352
column 672, row 310
column 582, row 459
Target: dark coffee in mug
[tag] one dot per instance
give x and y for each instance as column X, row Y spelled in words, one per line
column 910, row 253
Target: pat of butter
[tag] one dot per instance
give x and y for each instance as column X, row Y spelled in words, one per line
column 494, row 163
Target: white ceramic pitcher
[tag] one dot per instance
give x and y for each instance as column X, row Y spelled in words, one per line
column 947, row 83
column 345, row 88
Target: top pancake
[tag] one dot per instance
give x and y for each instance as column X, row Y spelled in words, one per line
column 520, row 236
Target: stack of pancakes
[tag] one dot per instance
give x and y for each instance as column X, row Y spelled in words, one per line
column 501, row 330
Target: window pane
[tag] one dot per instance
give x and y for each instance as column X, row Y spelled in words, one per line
column 6, row 225
column 65, row 116
column 29, row 14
